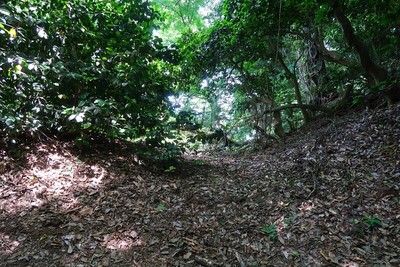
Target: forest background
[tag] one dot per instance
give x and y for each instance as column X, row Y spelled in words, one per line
column 175, row 74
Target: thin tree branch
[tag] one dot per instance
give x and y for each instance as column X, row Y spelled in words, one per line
column 300, row 106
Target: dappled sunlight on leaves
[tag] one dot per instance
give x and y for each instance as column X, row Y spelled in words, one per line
column 122, row 240
column 52, row 177
column 306, row 206
column 276, row 207
column 7, row 244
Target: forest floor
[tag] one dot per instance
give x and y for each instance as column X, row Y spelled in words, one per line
column 327, row 196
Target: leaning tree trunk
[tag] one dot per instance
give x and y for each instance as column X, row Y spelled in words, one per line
column 392, row 91
column 371, row 68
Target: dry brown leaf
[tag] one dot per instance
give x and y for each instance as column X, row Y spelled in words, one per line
column 75, row 218
column 281, row 240
column 85, row 211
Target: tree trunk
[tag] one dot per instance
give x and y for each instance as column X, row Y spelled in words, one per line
column 371, row 68
column 315, row 62
column 391, row 92
column 296, row 85
column 278, row 127
column 215, row 110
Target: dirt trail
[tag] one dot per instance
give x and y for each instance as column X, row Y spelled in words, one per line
column 323, row 198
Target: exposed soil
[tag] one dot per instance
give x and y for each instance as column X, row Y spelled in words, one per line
column 327, row 196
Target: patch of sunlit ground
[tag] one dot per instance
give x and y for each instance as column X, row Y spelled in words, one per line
column 7, row 244
column 123, row 240
column 52, row 178
column 55, row 181
column 306, row 206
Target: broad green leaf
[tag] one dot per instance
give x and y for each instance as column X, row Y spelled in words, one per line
column 12, row 32
column 100, row 102
column 79, row 117
column 4, row 12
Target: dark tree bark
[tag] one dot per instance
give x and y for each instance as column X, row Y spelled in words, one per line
column 278, row 128
column 315, row 63
column 371, row 68
column 296, row 85
column 391, row 92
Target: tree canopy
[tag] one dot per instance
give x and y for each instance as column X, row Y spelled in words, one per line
column 292, row 59
column 250, row 68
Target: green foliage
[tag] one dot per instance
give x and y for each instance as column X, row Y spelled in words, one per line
column 161, row 207
column 270, row 230
column 178, row 17
column 368, row 223
column 288, row 220
column 98, row 67
column 240, row 55
column 199, row 162
column 84, row 68
column 372, row 222
column 170, row 169
column 187, row 120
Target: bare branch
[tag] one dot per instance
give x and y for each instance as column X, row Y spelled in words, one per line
column 301, row 106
